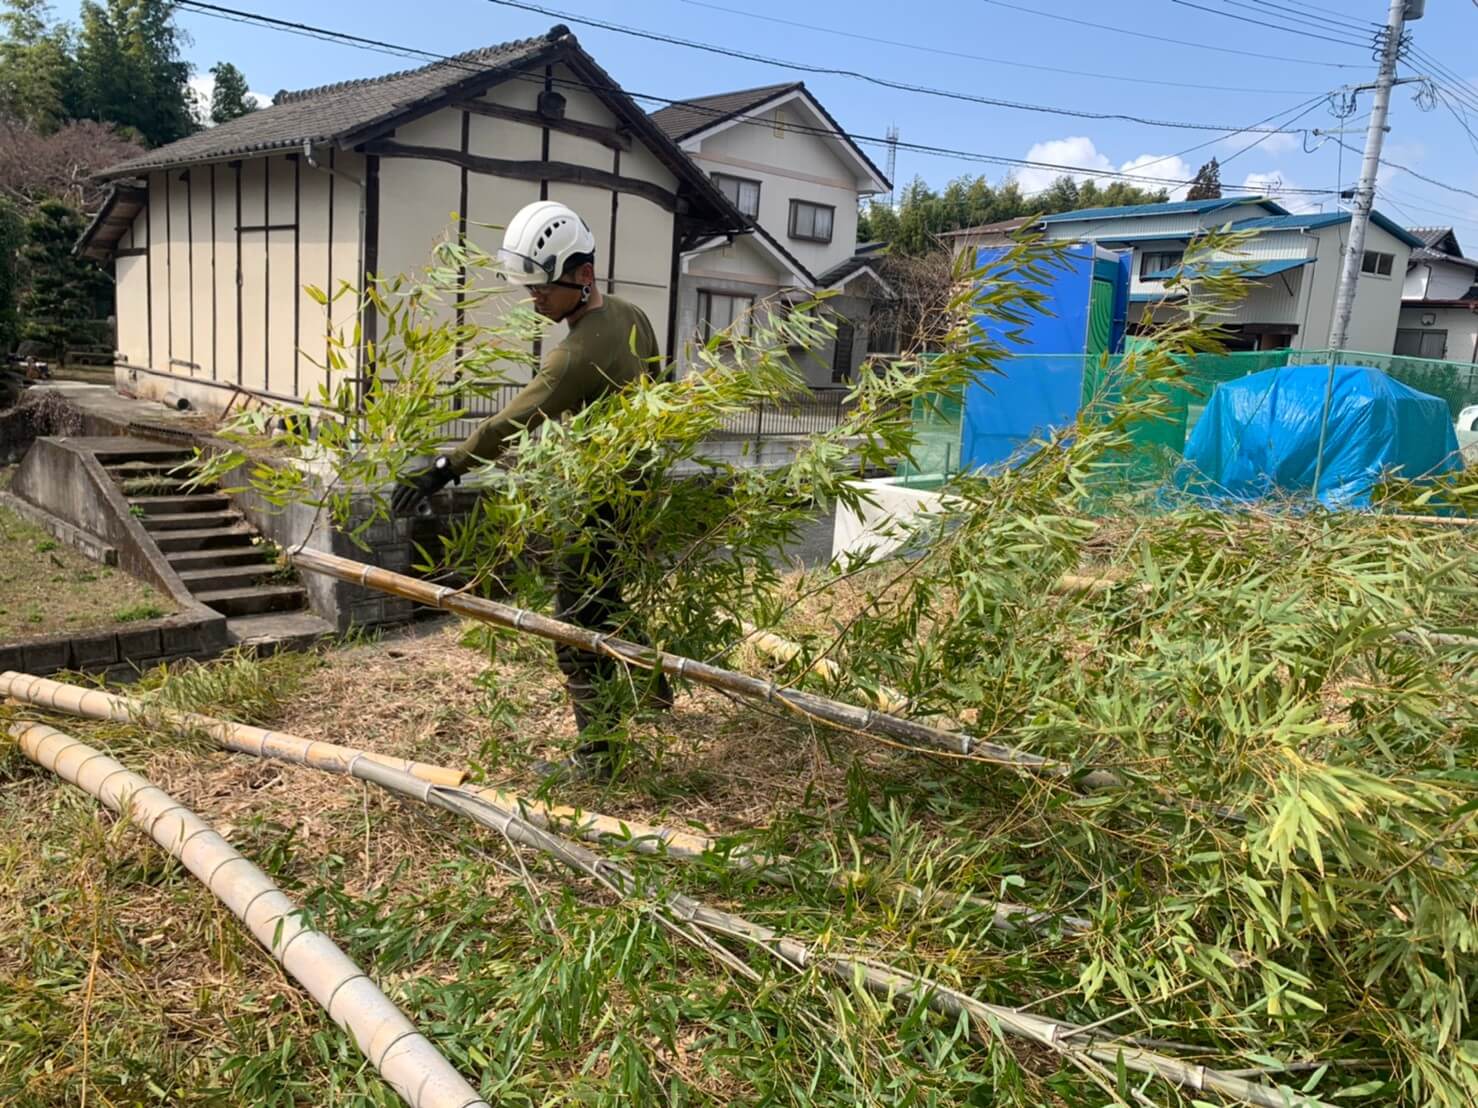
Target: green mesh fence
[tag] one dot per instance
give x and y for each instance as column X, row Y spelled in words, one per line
column 1159, row 444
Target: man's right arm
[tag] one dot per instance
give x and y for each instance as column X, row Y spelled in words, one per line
column 537, row 401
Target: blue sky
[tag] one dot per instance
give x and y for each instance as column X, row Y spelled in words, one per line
column 965, row 46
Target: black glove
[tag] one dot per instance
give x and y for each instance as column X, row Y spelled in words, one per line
column 415, row 490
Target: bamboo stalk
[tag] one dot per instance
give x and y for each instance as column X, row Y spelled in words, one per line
column 1073, row 582
column 403, row 1056
column 647, row 838
column 784, row 651
column 881, row 979
column 241, row 737
column 592, row 826
column 520, row 822
column 847, row 716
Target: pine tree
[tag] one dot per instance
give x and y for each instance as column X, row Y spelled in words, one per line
column 36, row 69
column 1207, row 185
column 63, row 293
column 229, row 98
column 130, row 71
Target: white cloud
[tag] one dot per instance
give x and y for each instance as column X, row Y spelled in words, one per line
column 1275, row 184
column 1076, row 151
column 1080, row 151
column 200, row 89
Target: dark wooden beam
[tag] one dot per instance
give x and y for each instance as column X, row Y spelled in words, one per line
column 528, row 170
column 606, row 136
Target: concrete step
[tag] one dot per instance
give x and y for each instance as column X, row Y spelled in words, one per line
column 212, row 557
column 143, row 454
column 225, row 577
column 159, row 484
column 269, row 633
column 179, row 467
column 205, row 537
column 196, row 502
column 254, row 599
column 182, row 521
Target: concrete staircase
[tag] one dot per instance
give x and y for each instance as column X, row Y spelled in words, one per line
column 216, row 553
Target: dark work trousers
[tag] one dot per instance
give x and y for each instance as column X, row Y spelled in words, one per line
column 588, row 595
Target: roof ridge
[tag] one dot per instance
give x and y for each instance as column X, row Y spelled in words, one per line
column 777, row 87
column 295, row 96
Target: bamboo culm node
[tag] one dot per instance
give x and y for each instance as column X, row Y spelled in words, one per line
column 240, row 737
column 403, row 1056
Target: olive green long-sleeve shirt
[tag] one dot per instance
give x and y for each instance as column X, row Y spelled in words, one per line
column 596, row 358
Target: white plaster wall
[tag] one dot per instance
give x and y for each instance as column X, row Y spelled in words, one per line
column 1461, row 325
column 790, row 165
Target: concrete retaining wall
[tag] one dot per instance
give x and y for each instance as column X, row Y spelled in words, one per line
column 119, row 653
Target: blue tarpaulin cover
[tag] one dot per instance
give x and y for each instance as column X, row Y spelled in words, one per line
column 1259, row 435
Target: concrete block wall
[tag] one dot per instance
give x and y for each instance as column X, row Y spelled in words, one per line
column 118, row 653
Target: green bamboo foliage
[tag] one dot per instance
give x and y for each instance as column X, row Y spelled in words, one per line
column 1286, row 883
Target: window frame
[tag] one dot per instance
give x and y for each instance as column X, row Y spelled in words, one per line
column 718, row 180
column 1144, row 263
column 1421, row 334
column 795, row 207
column 1377, row 257
column 706, row 329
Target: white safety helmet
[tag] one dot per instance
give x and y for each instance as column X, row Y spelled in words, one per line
column 538, row 241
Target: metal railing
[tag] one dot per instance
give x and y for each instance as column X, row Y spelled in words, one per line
column 820, row 411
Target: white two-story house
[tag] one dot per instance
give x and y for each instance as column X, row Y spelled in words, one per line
column 788, row 166
column 1293, row 264
column 1439, row 307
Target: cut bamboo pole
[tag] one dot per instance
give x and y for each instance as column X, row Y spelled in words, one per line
column 881, row 979
column 784, row 651
column 241, row 737
column 1073, row 582
column 592, row 826
column 824, row 709
column 509, row 815
column 403, row 1056
column 647, row 838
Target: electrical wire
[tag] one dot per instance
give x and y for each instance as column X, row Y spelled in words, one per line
column 238, row 15
column 1309, row 105
column 1331, row 19
column 937, row 51
column 831, row 71
column 1287, row 29
column 1441, row 74
column 1172, row 41
column 1414, row 173
column 1316, row 8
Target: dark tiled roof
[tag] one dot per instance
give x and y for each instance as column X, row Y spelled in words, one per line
column 1002, row 227
column 1441, row 239
column 843, row 269
column 330, row 113
column 691, row 116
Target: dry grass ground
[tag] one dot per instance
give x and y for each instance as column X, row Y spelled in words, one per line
column 123, row 982
column 46, row 587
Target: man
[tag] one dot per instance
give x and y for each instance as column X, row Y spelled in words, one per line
column 549, row 249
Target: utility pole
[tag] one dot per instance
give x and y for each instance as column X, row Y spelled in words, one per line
column 1349, row 277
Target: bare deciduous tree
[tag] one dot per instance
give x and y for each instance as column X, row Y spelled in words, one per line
column 35, row 167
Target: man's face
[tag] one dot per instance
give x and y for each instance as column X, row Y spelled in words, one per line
column 557, row 300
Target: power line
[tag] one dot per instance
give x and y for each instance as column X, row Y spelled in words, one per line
column 1316, row 8
column 1441, row 74
column 1172, row 41
column 937, row 51
column 1265, row 23
column 830, row 71
column 1332, row 18
column 1414, row 173
column 381, row 46
column 1309, row 105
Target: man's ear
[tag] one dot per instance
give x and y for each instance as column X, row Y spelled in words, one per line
column 585, row 275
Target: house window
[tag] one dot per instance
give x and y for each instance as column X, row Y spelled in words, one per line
column 811, row 222
column 1159, row 262
column 1421, row 344
column 722, row 311
column 1377, row 263
column 744, row 193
